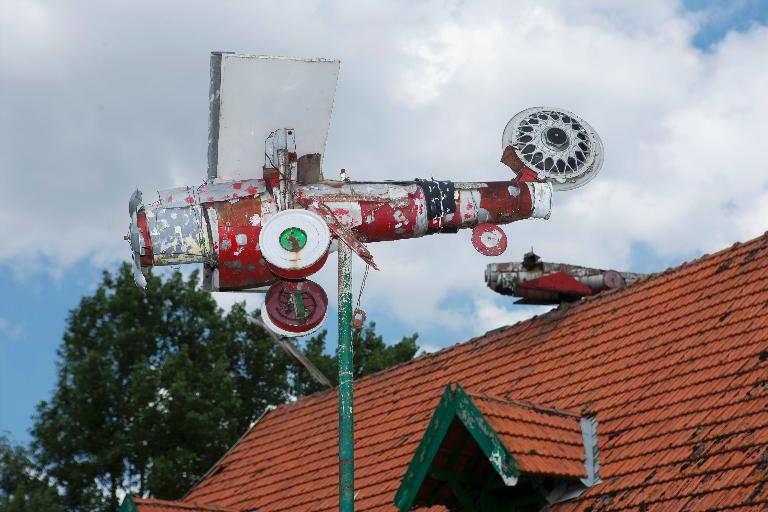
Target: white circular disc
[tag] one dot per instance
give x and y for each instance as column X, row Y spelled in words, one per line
column 269, row 324
column 568, row 165
column 318, row 238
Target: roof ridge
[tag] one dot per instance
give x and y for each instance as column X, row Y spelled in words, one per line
column 672, row 365
column 671, row 270
column 524, row 404
column 559, row 310
column 194, row 505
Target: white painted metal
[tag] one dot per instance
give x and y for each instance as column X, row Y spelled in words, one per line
column 251, row 96
column 568, row 163
column 270, row 325
column 318, row 239
column 541, row 195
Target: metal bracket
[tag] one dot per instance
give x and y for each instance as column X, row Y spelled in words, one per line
column 344, row 234
column 295, row 353
column 280, row 155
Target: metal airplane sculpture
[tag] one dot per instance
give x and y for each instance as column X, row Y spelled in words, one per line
column 538, row 282
column 266, row 220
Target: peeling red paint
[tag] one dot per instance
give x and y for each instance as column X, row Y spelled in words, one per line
column 357, row 212
column 141, row 222
column 240, row 266
column 384, row 221
column 502, row 206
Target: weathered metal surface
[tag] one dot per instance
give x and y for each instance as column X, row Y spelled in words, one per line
column 301, row 257
column 592, row 451
column 358, row 318
column 439, row 197
column 295, row 308
column 251, row 96
column 308, row 169
column 489, row 240
column 220, row 224
column 396, row 210
column 178, row 235
column 141, row 241
column 280, row 153
column 395, row 193
column 555, row 145
column 141, row 244
column 237, row 225
column 538, row 282
column 183, row 197
column 346, row 235
column 345, row 356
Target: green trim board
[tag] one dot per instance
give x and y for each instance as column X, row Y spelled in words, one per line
column 426, row 451
column 454, row 404
column 128, row 505
column 484, row 435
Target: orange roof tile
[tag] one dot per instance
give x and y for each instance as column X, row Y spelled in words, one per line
column 476, row 438
column 674, row 367
column 153, row 505
column 541, row 440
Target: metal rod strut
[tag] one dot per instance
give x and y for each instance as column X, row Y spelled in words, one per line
column 346, row 423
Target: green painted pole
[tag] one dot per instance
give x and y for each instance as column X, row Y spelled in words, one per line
column 346, row 422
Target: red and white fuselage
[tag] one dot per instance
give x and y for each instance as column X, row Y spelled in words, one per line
column 219, row 224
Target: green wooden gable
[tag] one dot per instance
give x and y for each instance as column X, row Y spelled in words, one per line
column 128, row 505
column 461, row 462
column 456, row 405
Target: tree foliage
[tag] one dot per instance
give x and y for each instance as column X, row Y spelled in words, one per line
column 370, row 355
column 22, row 486
column 153, row 387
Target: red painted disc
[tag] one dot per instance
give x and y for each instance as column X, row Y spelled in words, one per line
column 295, row 308
column 358, row 318
column 298, row 273
column 489, row 239
column 613, row 279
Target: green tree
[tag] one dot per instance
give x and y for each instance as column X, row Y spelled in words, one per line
column 22, row 486
column 152, row 389
column 370, row 355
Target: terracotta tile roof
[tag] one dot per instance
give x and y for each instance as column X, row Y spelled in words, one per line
column 503, row 444
column 153, row 505
column 674, row 367
column 542, row 441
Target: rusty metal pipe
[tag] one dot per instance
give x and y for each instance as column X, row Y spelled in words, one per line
column 505, row 278
column 386, row 211
column 218, row 224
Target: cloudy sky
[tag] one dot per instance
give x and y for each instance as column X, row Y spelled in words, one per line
column 99, row 97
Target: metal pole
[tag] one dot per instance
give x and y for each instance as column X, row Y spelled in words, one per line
column 346, row 423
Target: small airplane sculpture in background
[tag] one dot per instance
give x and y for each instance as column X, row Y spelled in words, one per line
column 538, row 282
column 266, row 219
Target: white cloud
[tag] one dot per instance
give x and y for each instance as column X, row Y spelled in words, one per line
column 490, row 315
column 108, row 97
column 253, row 301
column 10, row 330
column 427, row 349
